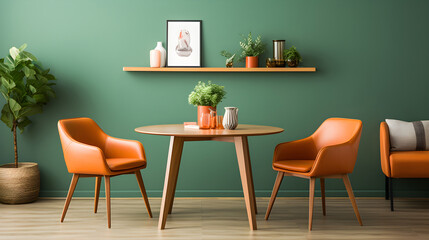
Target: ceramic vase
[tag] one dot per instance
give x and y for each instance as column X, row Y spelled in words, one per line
column 155, row 58
column 161, row 49
column 230, row 119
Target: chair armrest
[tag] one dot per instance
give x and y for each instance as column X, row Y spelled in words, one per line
column 295, row 150
column 385, row 148
column 124, row 148
column 335, row 159
column 85, row 159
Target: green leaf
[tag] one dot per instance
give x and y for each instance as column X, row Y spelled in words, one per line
column 50, row 77
column 6, row 116
column 14, row 107
column 30, row 110
column 32, row 89
column 4, row 67
column 5, row 83
column 27, row 71
column 23, row 46
column 4, row 92
column 30, row 99
column 29, row 55
column 40, row 98
column 22, row 123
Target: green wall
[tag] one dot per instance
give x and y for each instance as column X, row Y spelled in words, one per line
column 371, row 56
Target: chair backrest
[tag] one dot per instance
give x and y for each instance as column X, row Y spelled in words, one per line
column 345, row 135
column 335, row 131
column 84, row 130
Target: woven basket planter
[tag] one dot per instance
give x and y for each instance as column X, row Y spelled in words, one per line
column 19, row 185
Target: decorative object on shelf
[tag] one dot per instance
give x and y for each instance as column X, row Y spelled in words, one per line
column 26, row 87
column 270, row 63
column 206, row 97
column 292, row 56
column 273, row 63
column 278, row 49
column 161, row 49
column 230, row 120
column 229, row 58
column 251, row 49
column 155, row 58
column 184, row 43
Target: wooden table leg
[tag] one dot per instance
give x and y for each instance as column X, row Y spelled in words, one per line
column 241, row 147
column 173, row 163
column 174, row 182
column 252, row 186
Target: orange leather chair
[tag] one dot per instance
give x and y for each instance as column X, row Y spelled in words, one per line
column 400, row 164
column 89, row 152
column 329, row 153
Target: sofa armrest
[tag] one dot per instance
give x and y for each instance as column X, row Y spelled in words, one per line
column 385, row 148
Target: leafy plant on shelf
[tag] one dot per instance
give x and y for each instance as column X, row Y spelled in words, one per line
column 209, row 94
column 292, row 54
column 229, row 58
column 250, row 47
column 26, row 87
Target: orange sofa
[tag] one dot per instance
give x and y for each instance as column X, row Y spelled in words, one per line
column 400, row 164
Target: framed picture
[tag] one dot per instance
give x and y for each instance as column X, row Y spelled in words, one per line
column 184, row 43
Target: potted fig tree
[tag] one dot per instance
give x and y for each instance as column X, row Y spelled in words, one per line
column 251, row 49
column 206, row 97
column 26, row 87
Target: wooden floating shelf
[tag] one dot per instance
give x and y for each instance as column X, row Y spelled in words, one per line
column 216, row 69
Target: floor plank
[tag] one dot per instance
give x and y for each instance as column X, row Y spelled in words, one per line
column 216, row 218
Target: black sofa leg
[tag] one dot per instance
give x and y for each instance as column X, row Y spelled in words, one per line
column 386, row 188
column 391, row 193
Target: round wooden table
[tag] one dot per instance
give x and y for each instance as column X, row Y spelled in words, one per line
column 179, row 134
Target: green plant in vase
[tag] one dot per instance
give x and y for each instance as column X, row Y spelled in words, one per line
column 251, row 49
column 206, row 96
column 229, row 58
column 292, row 57
column 26, row 87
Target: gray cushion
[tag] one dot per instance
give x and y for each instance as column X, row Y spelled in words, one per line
column 408, row 136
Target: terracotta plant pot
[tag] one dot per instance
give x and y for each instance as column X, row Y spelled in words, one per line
column 204, row 109
column 251, row 62
column 19, row 185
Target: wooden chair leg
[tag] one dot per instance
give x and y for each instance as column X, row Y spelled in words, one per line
column 107, row 186
column 276, row 187
column 97, row 193
column 322, row 191
column 311, row 203
column 346, row 181
column 70, row 195
column 143, row 191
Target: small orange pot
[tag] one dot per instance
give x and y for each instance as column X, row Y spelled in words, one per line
column 204, row 109
column 252, row 62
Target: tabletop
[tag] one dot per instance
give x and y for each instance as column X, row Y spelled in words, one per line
column 179, row 130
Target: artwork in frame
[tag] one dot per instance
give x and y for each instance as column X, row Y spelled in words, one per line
column 184, row 43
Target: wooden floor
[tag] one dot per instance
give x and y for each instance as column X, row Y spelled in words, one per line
column 216, row 218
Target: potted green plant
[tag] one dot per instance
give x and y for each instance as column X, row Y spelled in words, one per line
column 26, row 87
column 251, row 49
column 229, row 58
column 292, row 56
column 206, row 97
